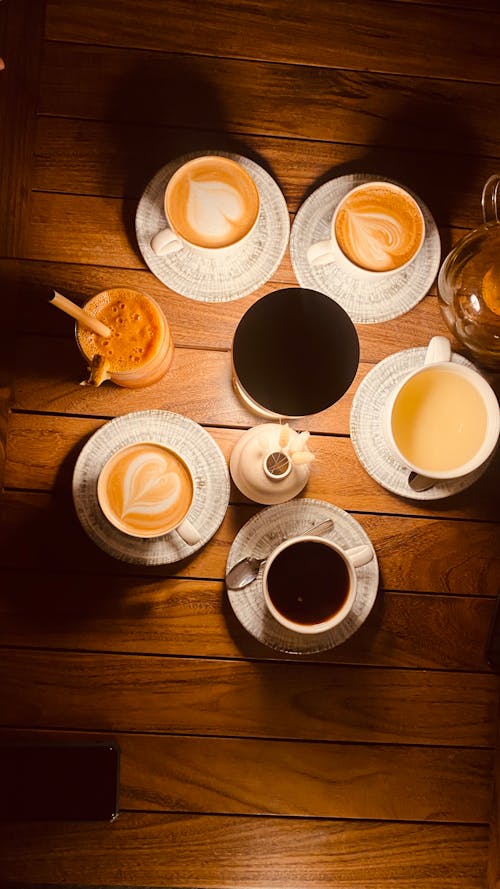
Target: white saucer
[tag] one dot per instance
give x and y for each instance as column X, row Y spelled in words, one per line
column 367, row 433
column 260, row 535
column 225, row 278
column 201, row 453
column 367, row 302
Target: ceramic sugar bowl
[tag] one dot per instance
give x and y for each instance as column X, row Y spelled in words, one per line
column 469, row 284
column 270, row 463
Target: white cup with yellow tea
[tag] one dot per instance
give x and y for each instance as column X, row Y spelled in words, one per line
column 443, row 420
column 147, row 490
column 211, row 205
column 377, row 229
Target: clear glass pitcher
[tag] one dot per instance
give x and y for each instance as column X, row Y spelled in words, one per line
column 469, row 284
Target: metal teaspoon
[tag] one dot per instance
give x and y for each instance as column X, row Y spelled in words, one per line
column 246, row 570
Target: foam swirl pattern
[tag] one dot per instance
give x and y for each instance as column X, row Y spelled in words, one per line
column 215, row 210
column 378, row 229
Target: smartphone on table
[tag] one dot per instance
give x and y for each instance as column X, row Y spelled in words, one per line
column 59, row 781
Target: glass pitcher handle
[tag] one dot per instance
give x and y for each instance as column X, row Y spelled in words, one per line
column 490, row 199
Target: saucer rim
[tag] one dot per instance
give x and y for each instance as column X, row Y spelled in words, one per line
column 303, row 270
column 119, row 432
column 309, row 509
column 159, row 266
column 443, row 488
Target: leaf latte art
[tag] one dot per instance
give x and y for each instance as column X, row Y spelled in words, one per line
column 214, row 208
column 212, row 202
column 147, row 488
column 379, row 228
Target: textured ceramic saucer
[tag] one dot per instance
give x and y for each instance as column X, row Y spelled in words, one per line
column 367, row 302
column 367, row 435
column 224, row 278
column 260, row 535
column 201, row 453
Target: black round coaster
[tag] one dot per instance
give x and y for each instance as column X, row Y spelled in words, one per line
column 295, row 352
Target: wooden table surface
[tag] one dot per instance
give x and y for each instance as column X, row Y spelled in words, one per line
column 370, row 766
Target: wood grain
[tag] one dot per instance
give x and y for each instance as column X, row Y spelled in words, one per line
column 99, row 168
column 338, row 34
column 309, row 102
column 189, row 617
column 368, row 766
column 21, row 51
column 42, row 452
column 170, row 773
column 419, row 566
column 328, row 702
column 175, row 850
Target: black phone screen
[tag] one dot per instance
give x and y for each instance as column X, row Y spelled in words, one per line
column 55, row 782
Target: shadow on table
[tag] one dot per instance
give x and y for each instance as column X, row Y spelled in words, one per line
column 434, row 158
column 164, row 109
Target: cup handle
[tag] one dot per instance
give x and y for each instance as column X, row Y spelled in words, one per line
column 439, row 349
column 360, row 555
column 165, row 242
column 490, row 200
column 188, row 533
column 320, row 253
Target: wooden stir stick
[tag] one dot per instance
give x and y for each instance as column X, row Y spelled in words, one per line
column 61, row 302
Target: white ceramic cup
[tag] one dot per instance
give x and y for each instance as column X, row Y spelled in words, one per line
column 327, row 251
column 142, row 471
column 403, row 403
column 350, row 559
column 213, row 207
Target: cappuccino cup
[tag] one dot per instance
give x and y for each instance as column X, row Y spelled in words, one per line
column 309, row 582
column 211, row 204
column 443, row 420
column 377, row 229
column 146, row 490
column 139, row 348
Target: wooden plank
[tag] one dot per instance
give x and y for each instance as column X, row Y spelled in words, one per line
column 80, row 156
column 242, row 852
column 356, row 107
column 410, row 550
column 42, row 451
column 301, row 779
column 21, row 51
column 193, row 324
column 329, row 702
column 339, row 34
column 193, row 618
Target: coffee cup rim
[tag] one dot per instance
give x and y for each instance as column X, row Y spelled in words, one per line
column 363, row 186
column 490, row 402
column 331, row 622
column 192, row 244
column 108, row 514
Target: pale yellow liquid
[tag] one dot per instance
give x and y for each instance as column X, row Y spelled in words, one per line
column 439, row 420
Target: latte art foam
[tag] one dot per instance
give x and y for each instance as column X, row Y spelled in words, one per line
column 145, row 490
column 212, row 202
column 379, row 228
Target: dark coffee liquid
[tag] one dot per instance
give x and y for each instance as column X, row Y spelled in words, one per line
column 295, row 352
column 308, row 582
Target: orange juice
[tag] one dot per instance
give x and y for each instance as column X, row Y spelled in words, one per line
column 138, row 350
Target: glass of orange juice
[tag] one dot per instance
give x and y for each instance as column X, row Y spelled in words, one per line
column 139, row 349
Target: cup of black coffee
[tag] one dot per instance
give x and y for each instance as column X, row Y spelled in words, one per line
column 310, row 582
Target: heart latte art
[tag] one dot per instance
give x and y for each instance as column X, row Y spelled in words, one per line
column 212, row 202
column 145, row 490
column 379, row 228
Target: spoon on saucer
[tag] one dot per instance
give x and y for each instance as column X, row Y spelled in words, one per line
column 420, row 483
column 246, row 570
